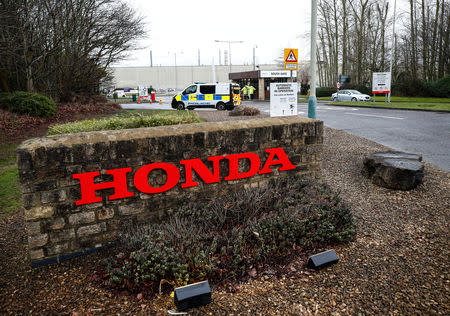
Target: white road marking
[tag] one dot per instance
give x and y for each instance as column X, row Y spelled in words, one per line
column 380, row 116
column 336, row 109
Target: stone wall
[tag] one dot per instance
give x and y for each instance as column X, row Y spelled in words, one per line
column 59, row 229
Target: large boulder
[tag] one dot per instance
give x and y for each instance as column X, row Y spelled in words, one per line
column 394, row 170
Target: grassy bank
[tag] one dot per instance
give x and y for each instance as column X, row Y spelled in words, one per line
column 10, row 194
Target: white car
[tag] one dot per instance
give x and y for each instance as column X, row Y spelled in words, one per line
column 349, row 95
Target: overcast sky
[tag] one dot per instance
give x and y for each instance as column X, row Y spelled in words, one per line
column 184, row 27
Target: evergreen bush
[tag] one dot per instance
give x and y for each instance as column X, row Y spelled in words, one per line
column 440, row 88
column 325, row 92
column 33, row 104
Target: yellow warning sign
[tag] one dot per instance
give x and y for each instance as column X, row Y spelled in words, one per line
column 290, row 59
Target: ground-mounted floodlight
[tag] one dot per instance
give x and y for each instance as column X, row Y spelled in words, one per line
column 192, row 295
column 322, row 260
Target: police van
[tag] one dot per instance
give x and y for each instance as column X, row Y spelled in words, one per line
column 220, row 95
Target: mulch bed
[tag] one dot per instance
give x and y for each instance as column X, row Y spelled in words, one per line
column 397, row 265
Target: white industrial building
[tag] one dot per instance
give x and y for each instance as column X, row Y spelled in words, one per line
column 177, row 77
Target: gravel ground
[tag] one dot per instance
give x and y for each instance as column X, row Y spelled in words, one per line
column 398, row 263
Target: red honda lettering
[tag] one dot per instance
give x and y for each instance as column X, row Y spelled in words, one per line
column 88, row 187
column 282, row 160
column 202, row 171
column 234, row 174
column 141, row 177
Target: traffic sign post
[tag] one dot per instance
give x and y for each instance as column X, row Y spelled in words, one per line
column 290, row 59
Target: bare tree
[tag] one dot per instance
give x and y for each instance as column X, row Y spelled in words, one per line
column 63, row 47
column 353, row 36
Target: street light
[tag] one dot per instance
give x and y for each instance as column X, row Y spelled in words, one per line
column 312, row 101
column 392, row 49
column 176, row 70
column 254, row 58
column 229, row 47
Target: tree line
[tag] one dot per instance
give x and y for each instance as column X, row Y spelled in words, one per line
column 355, row 38
column 63, row 47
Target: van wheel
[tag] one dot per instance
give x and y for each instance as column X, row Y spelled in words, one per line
column 221, row 106
column 180, row 106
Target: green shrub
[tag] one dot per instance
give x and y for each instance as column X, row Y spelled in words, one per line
column 33, row 104
column 4, row 99
column 123, row 122
column 222, row 238
column 405, row 86
column 325, row 92
column 440, row 88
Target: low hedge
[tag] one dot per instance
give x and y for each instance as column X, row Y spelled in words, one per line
column 33, row 104
column 361, row 88
column 405, row 86
column 325, row 92
column 439, row 88
column 222, row 238
column 124, row 121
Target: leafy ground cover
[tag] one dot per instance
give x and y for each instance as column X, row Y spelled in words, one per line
column 126, row 120
column 228, row 237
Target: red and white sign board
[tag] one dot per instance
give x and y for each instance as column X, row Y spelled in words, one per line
column 381, row 82
column 338, row 84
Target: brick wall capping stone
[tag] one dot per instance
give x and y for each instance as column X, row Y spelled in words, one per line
column 53, row 141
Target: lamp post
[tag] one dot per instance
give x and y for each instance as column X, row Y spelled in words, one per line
column 392, row 49
column 176, row 69
column 254, row 56
column 229, row 48
column 312, row 101
column 176, row 73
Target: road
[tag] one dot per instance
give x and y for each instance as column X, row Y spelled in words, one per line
column 425, row 133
